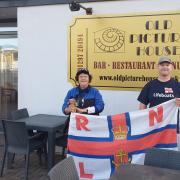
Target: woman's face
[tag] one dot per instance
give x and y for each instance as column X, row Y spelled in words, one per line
column 83, row 80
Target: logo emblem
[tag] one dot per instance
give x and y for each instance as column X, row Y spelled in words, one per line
column 120, row 132
column 109, row 40
column 168, row 90
column 121, row 157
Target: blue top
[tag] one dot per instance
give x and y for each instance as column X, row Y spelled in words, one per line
column 85, row 98
column 156, row 92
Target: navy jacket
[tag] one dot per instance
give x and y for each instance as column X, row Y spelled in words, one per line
column 85, row 98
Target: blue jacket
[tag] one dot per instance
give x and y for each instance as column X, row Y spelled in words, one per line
column 85, row 98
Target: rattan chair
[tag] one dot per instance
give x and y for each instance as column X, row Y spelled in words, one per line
column 64, row 170
column 163, row 158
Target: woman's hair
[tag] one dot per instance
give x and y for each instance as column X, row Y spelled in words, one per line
column 83, row 71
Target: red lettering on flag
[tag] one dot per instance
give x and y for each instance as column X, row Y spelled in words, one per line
column 158, row 116
column 81, row 122
column 82, row 173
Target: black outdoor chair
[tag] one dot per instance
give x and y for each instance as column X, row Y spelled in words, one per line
column 61, row 141
column 62, row 137
column 64, row 170
column 17, row 141
column 23, row 113
column 19, row 114
column 163, row 158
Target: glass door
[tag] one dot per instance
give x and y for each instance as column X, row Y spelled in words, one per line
column 8, row 71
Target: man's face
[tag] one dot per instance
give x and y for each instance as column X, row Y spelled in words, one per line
column 165, row 69
column 83, row 80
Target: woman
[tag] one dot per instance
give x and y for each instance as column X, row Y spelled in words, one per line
column 88, row 100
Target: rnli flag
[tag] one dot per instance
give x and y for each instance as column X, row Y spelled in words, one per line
column 99, row 144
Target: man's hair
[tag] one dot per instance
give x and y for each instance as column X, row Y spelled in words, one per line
column 83, row 71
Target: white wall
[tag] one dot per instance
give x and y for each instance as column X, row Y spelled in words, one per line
column 42, row 35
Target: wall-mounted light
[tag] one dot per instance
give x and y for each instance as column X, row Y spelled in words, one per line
column 75, row 6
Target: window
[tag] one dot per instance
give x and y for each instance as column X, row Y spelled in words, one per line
column 8, row 70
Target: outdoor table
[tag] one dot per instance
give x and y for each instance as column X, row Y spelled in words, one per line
column 144, row 172
column 49, row 124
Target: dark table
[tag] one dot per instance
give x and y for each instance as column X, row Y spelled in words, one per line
column 142, row 172
column 49, row 124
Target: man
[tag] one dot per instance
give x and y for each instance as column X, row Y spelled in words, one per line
column 162, row 89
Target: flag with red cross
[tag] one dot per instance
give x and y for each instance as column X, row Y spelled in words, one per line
column 99, row 144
